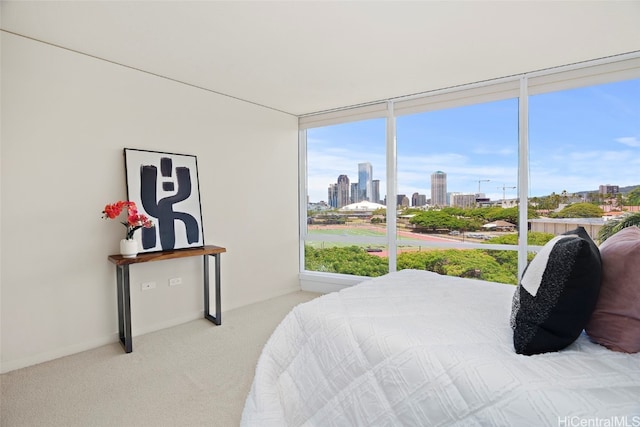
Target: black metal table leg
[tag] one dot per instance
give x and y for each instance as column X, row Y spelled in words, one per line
column 217, row 319
column 123, row 285
column 124, row 307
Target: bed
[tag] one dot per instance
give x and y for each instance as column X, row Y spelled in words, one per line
column 415, row 348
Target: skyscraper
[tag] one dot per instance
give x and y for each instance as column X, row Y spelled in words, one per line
column 439, row 188
column 402, row 201
column 332, row 195
column 418, row 199
column 355, row 193
column 365, row 178
column 609, row 189
column 343, row 191
column 375, row 196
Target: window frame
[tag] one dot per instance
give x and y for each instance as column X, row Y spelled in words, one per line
column 521, row 86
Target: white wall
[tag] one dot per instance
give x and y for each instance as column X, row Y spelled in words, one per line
column 66, row 118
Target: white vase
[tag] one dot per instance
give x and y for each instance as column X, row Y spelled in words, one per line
column 128, row 248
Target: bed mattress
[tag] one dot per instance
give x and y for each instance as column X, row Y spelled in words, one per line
column 414, row 348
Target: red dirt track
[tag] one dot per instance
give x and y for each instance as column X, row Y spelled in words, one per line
column 402, row 233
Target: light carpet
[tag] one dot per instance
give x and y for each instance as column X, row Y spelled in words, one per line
column 194, row 374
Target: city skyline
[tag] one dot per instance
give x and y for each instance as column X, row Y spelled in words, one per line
column 579, row 139
column 344, row 192
column 341, row 193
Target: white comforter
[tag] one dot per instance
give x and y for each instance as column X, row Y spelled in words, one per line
column 415, row 348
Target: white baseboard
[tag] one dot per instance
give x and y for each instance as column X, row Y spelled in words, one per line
column 47, row 356
column 327, row 282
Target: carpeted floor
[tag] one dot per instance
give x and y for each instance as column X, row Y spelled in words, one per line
column 194, row 374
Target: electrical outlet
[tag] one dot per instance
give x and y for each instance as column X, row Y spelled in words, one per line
column 147, row 285
column 175, row 281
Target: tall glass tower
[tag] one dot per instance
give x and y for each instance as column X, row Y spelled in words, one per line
column 332, row 194
column 365, row 178
column 355, row 194
column 343, row 191
column 375, row 195
column 439, row 189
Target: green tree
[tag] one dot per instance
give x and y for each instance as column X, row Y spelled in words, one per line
column 380, row 211
column 534, row 238
column 508, row 214
column 455, row 211
column 633, row 197
column 535, row 201
column 549, row 202
column 595, row 198
column 345, row 260
column 614, row 225
column 434, row 220
column 471, row 263
column 479, row 214
column 580, row 210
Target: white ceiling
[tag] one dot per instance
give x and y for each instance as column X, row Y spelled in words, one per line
column 302, row 57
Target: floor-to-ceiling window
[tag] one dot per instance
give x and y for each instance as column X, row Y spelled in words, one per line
column 346, row 191
column 475, row 169
column 457, row 170
column 584, row 151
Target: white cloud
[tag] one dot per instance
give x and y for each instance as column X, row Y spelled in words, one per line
column 560, row 167
column 631, row 141
column 504, row 151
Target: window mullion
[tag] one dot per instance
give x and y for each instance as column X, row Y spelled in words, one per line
column 302, row 194
column 392, row 187
column 523, row 174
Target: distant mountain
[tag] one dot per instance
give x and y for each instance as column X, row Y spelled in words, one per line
column 623, row 190
column 629, row 188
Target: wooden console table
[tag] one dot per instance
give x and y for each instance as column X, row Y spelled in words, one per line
column 124, row 291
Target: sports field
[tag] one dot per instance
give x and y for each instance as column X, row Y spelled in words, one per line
column 366, row 230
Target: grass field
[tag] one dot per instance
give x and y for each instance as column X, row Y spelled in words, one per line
column 344, row 231
column 347, row 232
column 373, row 231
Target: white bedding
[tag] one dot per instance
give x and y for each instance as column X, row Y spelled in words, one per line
column 415, row 348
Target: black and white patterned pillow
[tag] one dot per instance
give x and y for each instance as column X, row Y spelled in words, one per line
column 557, row 294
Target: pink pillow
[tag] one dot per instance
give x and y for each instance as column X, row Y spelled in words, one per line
column 615, row 322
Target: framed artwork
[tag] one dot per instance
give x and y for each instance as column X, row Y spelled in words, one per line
column 165, row 188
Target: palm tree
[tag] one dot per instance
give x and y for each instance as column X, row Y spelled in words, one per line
column 615, row 225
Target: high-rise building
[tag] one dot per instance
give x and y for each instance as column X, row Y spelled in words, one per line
column 418, row 199
column 355, row 193
column 332, row 195
column 342, row 197
column 464, row 201
column 609, row 189
column 439, row 188
column 375, row 196
column 365, row 181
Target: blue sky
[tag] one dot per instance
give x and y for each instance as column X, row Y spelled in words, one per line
column 579, row 139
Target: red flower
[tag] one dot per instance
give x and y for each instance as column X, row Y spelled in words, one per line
column 134, row 219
